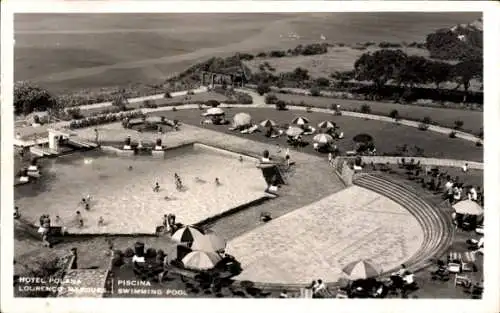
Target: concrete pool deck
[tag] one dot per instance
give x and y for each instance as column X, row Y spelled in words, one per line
column 318, row 240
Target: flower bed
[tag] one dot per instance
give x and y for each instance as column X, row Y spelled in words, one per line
column 103, row 119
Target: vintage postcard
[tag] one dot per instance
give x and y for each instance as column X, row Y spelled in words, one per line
column 154, row 151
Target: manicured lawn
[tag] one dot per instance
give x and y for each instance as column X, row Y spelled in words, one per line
column 473, row 120
column 387, row 136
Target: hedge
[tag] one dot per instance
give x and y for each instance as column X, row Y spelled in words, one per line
column 103, row 119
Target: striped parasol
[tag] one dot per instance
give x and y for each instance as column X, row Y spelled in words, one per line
column 362, row 269
column 294, row 131
column 242, row 119
column 209, row 243
column 326, row 125
column 187, row 234
column 267, row 123
column 300, row 121
column 201, row 260
column 323, row 138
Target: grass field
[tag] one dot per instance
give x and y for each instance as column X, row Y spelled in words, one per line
column 71, row 52
column 473, row 120
column 337, row 59
column 386, row 135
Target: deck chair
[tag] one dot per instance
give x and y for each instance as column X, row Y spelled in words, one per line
column 277, row 134
column 341, row 294
column 306, row 293
column 253, row 129
column 454, row 262
column 468, row 262
column 462, row 280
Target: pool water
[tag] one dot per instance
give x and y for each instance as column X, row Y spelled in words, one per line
column 124, row 196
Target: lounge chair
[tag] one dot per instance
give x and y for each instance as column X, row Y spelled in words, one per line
column 277, row 134
column 250, row 130
column 309, row 131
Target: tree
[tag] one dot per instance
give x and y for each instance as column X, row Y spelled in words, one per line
column 263, row 88
column 380, row 67
column 438, row 72
column 213, row 103
column 413, row 71
column 465, row 71
column 119, row 100
column 29, row 97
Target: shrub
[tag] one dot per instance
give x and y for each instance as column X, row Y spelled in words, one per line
column 426, row 120
column 315, row 92
column 117, row 260
column 394, row 114
column 365, row 108
column 75, row 113
column 150, row 253
column 129, row 252
column 281, row 105
column 423, row 126
column 459, row 124
column 271, row 99
column 243, row 98
column 452, row 134
column 167, row 95
column 212, row 103
column 149, row 104
column 322, row 82
column 261, row 55
column 277, row 54
column 190, row 92
column 174, row 109
column 263, row 88
column 479, row 143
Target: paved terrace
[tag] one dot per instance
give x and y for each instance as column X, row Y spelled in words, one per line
column 318, row 240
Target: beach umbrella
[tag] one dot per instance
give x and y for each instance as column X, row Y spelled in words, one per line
column 468, row 207
column 267, row 123
column 294, row 131
column 214, row 111
column 326, row 125
column 209, row 243
column 201, row 260
column 300, row 121
column 361, row 270
column 187, row 234
column 242, row 119
column 323, row 138
column 362, row 138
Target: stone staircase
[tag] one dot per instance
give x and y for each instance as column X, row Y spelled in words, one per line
column 436, row 223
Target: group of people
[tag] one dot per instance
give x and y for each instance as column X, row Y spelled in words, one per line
column 180, row 186
column 455, row 191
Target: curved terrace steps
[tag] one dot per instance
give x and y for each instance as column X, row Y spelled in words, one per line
column 436, row 224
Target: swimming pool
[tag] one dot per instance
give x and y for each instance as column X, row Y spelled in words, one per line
column 121, row 189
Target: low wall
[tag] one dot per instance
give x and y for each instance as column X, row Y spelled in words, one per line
column 232, row 154
column 423, row 161
column 342, row 169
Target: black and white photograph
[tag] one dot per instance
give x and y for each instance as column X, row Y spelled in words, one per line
column 276, row 155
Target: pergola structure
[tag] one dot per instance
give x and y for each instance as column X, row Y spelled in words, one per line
column 232, row 76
